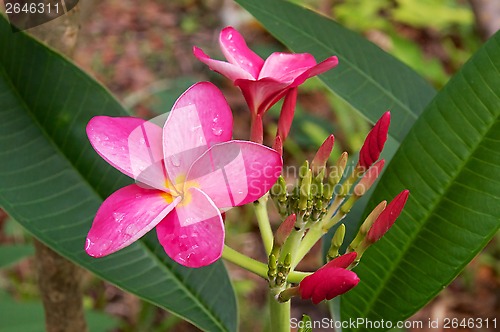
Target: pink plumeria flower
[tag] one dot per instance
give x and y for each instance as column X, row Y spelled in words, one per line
column 186, row 172
column 329, row 281
column 263, row 83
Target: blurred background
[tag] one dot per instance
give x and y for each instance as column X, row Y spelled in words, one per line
column 142, row 52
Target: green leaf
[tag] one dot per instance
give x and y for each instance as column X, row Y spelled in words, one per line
column 369, row 79
column 10, row 254
column 450, row 161
column 52, row 182
column 29, row 317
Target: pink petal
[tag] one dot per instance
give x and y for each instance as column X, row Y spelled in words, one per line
column 236, row 51
column 131, row 145
column 236, row 172
column 227, row 69
column 193, row 234
column 125, row 216
column 318, row 69
column 285, row 67
column 199, row 119
column 262, row 94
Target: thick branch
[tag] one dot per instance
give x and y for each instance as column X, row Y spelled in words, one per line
column 59, row 280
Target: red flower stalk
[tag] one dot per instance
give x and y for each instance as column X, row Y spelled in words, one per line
column 330, row 280
column 257, row 130
column 321, row 157
column 374, row 142
column 387, row 218
column 287, row 113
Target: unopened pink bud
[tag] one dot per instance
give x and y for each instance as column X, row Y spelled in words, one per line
column 285, row 229
column 369, row 178
column 321, row 157
column 387, row 218
column 287, row 113
column 374, row 142
column 327, row 283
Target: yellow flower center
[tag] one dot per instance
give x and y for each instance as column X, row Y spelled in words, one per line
column 175, row 192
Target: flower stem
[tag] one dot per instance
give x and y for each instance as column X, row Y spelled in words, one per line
column 255, row 266
column 314, row 234
column 280, row 313
column 245, row 262
column 266, row 232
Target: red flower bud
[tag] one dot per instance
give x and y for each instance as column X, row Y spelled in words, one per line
column 342, row 261
column 326, row 283
column 374, row 142
column 285, row 229
column 322, row 155
column 369, row 178
column 387, row 218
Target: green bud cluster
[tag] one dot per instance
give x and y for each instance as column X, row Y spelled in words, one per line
column 309, row 199
column 277, row 271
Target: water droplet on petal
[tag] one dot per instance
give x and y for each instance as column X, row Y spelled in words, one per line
column 175, row 160
column 105, row 245
column 131, row 229
column 217, row 131
column 106, row 138
column 88, row 244
column 142, row 141
column 195, row 128
column 118, row 216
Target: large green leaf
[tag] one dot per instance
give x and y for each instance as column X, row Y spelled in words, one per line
column 10, row 254
column 371, row 80
column 450, row 161
column 52, row 182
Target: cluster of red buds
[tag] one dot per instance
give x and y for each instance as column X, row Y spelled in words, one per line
column 319, row 201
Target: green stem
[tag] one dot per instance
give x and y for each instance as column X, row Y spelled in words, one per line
column 314, row 234
column 296, row 277
column 257, row 267
column 280, row 313
column 266, row 232
column 291, row 245
column 245, row 262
